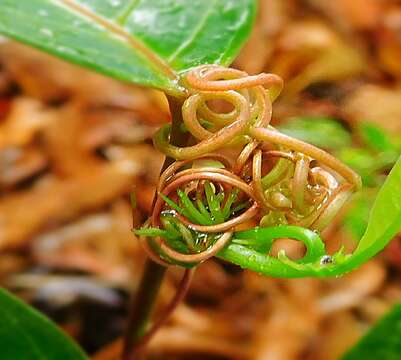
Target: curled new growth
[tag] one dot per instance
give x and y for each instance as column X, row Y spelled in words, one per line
column 237, row 172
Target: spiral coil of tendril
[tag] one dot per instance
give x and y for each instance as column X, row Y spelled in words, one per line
column 277, row 179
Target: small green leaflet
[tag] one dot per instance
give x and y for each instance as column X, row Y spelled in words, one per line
column 383, row 341
column 147, row 42
column 28, row 335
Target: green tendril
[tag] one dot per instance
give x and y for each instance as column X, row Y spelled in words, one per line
column 279, row 170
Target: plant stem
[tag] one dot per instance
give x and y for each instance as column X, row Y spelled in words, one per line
column 142, row 307
column 145, row 299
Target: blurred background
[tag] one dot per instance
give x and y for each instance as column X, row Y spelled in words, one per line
column 74, row 144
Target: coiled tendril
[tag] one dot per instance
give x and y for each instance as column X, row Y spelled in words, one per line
column 237, row 172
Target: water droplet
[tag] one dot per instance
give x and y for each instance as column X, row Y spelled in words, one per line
column 46, row 32
column 326, row 259
column 43, row 12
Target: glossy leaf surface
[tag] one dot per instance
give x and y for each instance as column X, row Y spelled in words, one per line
column 143, row 41
column 27, row 334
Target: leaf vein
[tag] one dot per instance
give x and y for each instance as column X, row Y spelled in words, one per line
column 147, row 53
column 123, row 16
column 196, row 32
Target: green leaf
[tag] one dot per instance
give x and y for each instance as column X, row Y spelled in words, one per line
column 357, row 218
column 319, row 131
column 147, row 42
column 26, row 334
column 385, row 216
column 375, row 137
column 383, row 341
column 384, row 223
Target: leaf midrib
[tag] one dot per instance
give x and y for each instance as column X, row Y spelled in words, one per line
column 151, row 57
